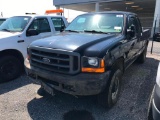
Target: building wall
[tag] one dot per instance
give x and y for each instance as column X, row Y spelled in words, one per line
column 68, row 2
column 148, row 19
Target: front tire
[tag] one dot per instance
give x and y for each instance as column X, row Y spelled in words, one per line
column 10, row 68
column 110, row 95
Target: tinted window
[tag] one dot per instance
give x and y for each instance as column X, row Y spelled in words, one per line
column 136, row 23
column 58, row 23
column 133, row 22
column 41, row 25
column 139, row 25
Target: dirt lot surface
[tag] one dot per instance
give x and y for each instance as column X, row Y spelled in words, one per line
column 19, row 101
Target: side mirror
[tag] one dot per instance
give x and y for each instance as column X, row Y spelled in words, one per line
column 32, row 32
column 131, row 31
column 62, row 29
column 156, row 37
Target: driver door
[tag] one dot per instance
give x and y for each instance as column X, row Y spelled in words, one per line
column 41, row 26
column 134, row 40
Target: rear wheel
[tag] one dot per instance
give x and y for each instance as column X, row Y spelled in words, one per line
column 10, row 68
column 110, row 95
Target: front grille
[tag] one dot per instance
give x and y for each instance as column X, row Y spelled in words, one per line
column 55, row 60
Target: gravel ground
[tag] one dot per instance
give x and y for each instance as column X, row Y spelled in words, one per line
column 19, row 101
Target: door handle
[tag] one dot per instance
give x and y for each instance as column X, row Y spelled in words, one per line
column 20, row 41
column 132, row 45
column 123, row 41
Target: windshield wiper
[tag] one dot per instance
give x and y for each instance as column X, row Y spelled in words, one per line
column 6, row 30
column 72, row 31
column 94, row 31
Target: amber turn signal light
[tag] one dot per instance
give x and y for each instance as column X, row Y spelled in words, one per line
column 96, row 70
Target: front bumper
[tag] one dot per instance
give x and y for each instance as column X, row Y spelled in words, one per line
column 156, row 103
column 80, row 84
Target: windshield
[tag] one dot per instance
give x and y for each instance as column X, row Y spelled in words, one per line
column 15, row 24
column 107, row 23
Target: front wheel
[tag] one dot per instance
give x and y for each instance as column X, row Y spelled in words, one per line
column 10, row 68
column 110, row 95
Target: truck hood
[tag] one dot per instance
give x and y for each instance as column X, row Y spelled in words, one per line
column 77, row 42
column 4, row 34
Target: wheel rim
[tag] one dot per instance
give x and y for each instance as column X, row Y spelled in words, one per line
column 8, row 68
column 115, row 88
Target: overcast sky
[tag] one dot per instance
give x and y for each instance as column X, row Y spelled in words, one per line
column 20, row 7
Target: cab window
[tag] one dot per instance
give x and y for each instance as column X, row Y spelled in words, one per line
column 133, row 22
column 58, row 23
column 139, row 25
column 41, row 25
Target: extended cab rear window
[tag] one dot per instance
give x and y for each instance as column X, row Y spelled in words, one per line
column 58, row 23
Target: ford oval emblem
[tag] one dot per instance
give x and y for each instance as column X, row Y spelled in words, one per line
column 46, row 60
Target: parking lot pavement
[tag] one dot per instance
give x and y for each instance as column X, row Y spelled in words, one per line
column 19, row 101
column 156, row 47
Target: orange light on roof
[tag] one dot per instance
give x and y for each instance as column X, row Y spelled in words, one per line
column 54, row 11
column 95, row 70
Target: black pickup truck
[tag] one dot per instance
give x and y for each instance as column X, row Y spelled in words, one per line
column 90, row 56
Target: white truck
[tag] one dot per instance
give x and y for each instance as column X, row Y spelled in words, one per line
column 16, row 33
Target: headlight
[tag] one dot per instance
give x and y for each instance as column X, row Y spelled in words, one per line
column 92, row 64
column 93, row 61
column 158, row 76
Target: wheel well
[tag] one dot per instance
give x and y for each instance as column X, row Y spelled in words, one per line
column 12, row 52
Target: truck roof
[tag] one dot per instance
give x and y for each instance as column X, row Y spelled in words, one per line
column 119, row 12
column 29, row 15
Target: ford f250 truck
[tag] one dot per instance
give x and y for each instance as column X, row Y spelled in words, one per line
column 90, row 56
column 16, row 33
